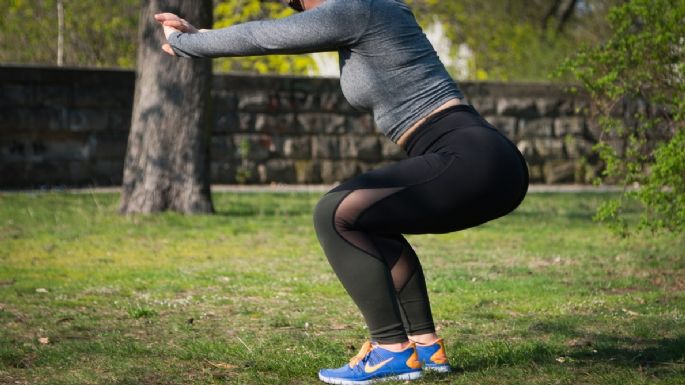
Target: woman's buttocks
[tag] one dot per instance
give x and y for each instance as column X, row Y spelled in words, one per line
column 486, row 171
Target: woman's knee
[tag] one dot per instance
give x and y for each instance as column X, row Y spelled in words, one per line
column 324, row 211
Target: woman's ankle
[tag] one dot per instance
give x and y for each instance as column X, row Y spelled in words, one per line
column 424, row 339
column 394, row 347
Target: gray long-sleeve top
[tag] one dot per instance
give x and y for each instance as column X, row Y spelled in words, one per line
column 387, row 65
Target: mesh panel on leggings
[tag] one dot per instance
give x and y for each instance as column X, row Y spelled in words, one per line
column 393, row 249
column 350, row 208
column 404, row 268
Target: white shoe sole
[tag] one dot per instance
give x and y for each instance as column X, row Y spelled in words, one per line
column 399, row 377
column 438, row 369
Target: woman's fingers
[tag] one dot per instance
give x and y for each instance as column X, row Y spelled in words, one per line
column 165, row 16
column 174, row 24
column 181, row 25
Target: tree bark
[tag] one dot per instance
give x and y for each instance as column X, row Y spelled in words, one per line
column 167, row 161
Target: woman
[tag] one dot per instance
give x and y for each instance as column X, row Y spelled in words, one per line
column 461, row 172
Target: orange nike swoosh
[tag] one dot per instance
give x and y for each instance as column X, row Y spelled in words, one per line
column 372, row 368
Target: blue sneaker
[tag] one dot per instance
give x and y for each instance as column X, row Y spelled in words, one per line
column 374, row 363
column 433, row 356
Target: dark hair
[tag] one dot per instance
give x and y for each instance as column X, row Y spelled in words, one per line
column 296, row 5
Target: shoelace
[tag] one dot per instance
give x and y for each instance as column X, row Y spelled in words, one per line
column 363, row 353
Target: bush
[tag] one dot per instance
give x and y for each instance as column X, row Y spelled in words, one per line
column 636, row 81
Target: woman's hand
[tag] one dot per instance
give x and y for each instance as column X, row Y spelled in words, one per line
column 172, row 23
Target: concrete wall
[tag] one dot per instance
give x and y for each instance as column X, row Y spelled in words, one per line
column 70, row 127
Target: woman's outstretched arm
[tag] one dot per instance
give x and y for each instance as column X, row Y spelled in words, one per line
column 334, row 24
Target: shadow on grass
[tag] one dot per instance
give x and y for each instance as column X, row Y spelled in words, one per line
column 633, row 352
column 618, row 350
column 564, row 341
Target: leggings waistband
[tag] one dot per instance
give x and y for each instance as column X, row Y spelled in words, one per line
column 430, row 131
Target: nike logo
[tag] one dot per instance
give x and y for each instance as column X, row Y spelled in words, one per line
column 372, row 368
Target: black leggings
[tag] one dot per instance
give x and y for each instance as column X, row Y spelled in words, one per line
column 461, row 172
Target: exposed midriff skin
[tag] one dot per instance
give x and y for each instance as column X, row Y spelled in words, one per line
column 407, row 134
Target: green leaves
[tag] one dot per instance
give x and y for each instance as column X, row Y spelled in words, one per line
column 96, row 34
column 638, row 89
column 230, row 12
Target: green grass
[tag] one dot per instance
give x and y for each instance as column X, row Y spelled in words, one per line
column 542, row 296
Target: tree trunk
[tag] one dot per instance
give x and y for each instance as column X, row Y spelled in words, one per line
column 167, row 161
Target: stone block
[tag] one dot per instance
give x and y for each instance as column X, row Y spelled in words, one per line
column 321, row 123
column 247, row 172
column 337, row 171
column 246, row 122
column 108, row 145
column 361, row 124
column 549, row 106
column 333, row 101
column 222, row 148
column 569, row 126
column 258, row 101
column 520, row 107
column 119, row 119
column 24, row 119
column 85, row 120
column 302, row 101
column 80, row 173
column 535, row 173
column 360, row 147
column 566, row 107
column 16, row 95
column 222, row 172
column 13, row 174
column 505, row 124
column 14, row 149
column 224, row 101
column 297, row 147
column 108, row 172
column 54, row 95
column 559, row 172
column 582, row 106
column 253, row 146
column 535, row 128
column 307, row 171
column 226, row 121
column 276, row 123
column 484, row 105
column 368, row 148
column 66, row 150
column 577, row 147
column 279, row 171
column 364, row 167
column 33, row 174
column 391, row 150
column 527, row 148
column 90, row 96
column 325, row 147
column 549, row 148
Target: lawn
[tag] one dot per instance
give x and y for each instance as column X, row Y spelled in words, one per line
column 542, row 296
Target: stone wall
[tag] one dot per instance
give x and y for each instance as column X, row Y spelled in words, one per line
column 70, row 127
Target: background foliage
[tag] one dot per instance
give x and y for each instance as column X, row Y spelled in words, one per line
column 507, row 40
column 97, row 34
column 641, row 65
column 229, row 12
